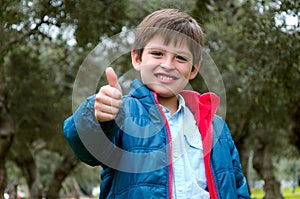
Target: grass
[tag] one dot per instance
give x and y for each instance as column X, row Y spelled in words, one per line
column 287, row 193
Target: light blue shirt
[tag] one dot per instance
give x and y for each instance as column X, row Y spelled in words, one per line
column 189, row 179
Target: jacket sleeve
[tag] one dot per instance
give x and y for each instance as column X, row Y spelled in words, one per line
column 85, row 134
column 226, row 159
column 241, row 183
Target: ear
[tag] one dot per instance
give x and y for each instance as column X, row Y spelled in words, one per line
column 195, row 70
column 136, row 62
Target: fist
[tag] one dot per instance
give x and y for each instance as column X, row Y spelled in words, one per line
column 109, row 98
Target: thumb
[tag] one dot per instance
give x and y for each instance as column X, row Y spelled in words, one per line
column 112, row 78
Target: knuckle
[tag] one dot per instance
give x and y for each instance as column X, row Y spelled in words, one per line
column 120, row 103
column 98, row 115
column 97, row 106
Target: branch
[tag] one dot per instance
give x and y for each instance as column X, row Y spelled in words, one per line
column 15, row 40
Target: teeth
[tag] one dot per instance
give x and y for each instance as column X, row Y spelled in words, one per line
column 162, row 77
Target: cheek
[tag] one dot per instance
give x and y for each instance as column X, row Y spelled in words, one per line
column 146, row 77
column 185, row 72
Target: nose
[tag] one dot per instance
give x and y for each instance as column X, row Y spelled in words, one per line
column 168, row 62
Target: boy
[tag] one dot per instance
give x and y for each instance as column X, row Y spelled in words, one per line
column 163, row 142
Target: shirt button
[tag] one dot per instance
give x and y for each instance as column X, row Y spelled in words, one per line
column 180, row 188
column 176, row 154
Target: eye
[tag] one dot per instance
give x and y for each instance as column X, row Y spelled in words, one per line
column 181, row 58
column 156, row 53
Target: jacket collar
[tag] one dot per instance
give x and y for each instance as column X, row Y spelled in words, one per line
column 138, row 89
column 205, row 104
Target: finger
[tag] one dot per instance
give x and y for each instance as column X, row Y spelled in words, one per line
column 103, row 117
column 103, row 99
column 103, row 108
column 110, row 92
column 105, row 113
column 112, row 78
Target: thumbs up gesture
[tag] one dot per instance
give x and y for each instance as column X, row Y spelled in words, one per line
column 109, row 98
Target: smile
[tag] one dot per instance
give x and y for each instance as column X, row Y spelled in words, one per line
column 164, row 77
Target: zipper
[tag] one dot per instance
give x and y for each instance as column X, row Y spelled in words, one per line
column 170, row 176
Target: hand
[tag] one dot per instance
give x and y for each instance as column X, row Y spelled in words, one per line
column 109, row 98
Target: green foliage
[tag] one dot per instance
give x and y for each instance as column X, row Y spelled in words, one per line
column 33, row 95
column 138, row 9
column 287, row 193
column 47, row 161
column 95, row 19
column 14, row 173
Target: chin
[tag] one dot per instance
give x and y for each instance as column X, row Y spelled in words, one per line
column 162, row 91
column 166, row 94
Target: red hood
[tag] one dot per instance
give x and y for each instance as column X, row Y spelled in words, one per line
column 204, row 107
column 205, row 104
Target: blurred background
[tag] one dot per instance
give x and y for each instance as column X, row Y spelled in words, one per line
column 255, row 44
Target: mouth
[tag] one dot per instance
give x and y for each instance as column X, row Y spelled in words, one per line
column 165, row 78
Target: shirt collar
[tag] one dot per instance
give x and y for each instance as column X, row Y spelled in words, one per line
column 181, row 102
column 181, row 105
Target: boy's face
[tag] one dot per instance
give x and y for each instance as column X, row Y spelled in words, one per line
column 165, row 69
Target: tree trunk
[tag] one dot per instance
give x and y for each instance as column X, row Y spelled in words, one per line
column 69, row 162
column 26, row 163
column 7, row 131
column 3, row 176
column 263, row 164
column 295, row 137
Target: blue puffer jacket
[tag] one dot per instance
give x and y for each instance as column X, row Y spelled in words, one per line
column 135, row 150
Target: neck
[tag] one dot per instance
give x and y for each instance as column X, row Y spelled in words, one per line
column 171, row 103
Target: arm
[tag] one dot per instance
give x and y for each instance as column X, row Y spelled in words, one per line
column 226, row 162
column 241, row 183
column 83, row 116
column 90, row 140
column 91, row 130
